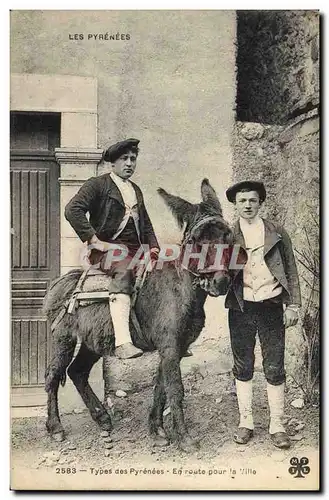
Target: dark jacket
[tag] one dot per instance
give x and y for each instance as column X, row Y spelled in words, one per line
column 279, row 258
column 101, row 197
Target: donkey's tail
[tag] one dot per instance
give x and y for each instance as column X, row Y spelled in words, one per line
column 59, row 292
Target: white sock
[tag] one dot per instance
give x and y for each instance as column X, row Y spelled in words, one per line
column 120, row 311
column 244, row 394
column 275, row 394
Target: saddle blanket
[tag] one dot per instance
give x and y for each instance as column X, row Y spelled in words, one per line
column 91, row 285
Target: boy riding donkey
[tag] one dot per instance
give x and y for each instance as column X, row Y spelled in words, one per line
column 117, row 215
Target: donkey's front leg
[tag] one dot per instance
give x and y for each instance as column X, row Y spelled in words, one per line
column 170, row 362
column 156, row 415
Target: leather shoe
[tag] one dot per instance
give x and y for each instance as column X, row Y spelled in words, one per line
column 127, row 351
column 187, row 353
column 243, row 435
column 281, row 440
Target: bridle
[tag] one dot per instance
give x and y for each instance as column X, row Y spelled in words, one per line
column 198, row 277
column 201, row 222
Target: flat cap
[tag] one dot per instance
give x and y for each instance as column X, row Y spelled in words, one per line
column 116, row 150
column 250, row 185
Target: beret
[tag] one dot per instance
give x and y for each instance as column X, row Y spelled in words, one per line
column 251, row 185
column 116, row 150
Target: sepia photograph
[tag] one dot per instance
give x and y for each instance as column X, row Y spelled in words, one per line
column 165, row 250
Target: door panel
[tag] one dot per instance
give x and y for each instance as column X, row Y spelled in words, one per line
column 30, row 351
column 30, row 218
column 35, row 262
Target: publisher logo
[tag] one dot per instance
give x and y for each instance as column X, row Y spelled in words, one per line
column 299, row 468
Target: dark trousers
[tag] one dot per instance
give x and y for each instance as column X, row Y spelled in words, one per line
column 123, row 279
column 266, row 319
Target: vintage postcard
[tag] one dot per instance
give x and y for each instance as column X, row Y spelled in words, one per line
column 164, row 182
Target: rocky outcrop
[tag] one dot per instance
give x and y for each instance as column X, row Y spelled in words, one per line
column 277, row 64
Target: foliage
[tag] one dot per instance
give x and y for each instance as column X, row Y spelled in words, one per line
column 309, row 259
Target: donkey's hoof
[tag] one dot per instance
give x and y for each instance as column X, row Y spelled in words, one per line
column 161, row 432
column 159, row 441
column 159, row 437
column 106, row 426
column 188, row 445
column 105, row 422
column 58, row 436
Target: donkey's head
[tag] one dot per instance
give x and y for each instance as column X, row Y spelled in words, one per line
column 207, row 238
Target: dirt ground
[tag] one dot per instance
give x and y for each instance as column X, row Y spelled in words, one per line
column 211, row 415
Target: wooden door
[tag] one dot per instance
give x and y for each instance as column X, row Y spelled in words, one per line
column 35, row 262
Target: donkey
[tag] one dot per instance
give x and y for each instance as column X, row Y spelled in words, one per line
column 170, row 312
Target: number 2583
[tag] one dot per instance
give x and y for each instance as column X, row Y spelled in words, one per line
column 65, row 470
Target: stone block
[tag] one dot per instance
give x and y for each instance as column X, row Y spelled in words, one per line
column 288, row 134
column 66, row 230
column 79, row 130
column 252, row 131
column 53, row 93
column 71, row 250
column 68, row 190
column 78, row 172
column 309, row 127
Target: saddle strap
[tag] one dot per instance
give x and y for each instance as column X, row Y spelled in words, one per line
column 59, row 316
column 69, row 304
column 77, row 290
column 141, row 275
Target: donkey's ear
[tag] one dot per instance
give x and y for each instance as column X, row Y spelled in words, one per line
column 181, row 209
column 209, row 197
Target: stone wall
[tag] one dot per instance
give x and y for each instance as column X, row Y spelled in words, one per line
column 277, row 64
